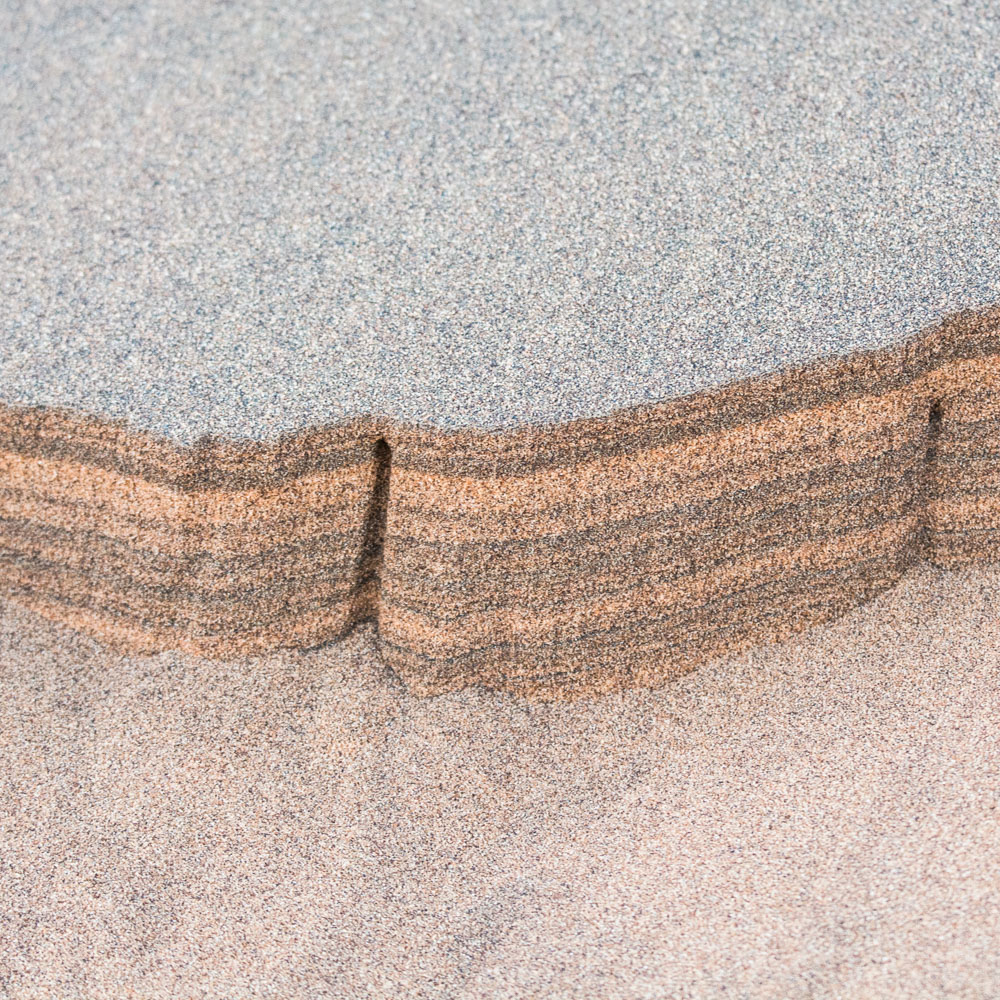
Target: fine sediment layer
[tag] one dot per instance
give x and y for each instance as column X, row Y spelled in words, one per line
column 546, row 560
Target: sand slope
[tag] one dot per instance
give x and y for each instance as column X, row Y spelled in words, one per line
column 817, row 819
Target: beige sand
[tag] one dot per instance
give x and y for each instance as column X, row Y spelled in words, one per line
column 816, row 819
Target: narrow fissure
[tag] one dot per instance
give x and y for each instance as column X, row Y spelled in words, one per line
column 934, row 419
column 929, row 478
column 368, row 572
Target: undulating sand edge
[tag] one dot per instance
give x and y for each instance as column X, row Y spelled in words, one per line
column 549, row 561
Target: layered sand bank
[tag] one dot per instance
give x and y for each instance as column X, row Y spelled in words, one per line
column 578, row 557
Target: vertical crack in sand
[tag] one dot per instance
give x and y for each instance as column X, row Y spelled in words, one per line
column 368, row 574
column 543, row 560
column 928, row 480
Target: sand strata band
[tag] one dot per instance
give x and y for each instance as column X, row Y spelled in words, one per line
column 547, row 561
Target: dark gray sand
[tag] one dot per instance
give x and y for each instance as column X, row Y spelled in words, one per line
column 247, row 217
column 817, row 819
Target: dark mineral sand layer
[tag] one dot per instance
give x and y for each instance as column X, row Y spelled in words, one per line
column 574, row 558
column 819, row 818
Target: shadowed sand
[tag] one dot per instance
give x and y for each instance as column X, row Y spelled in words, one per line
column 817, row 818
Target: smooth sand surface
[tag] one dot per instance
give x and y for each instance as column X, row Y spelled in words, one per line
column 814, row 819
column 245, row 218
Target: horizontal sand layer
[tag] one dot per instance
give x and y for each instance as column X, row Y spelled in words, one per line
column 246, row 219
column 571, row 558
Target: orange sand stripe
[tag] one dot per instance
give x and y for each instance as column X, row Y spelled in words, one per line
column 301, row 631
column 785, row 443
column 983, row 512
column 76, row 497
column 517, row 625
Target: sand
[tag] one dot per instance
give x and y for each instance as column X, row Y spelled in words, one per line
column 249, row 218
column 577, row 558
column 816, row 819
column 555, row 351
column 572, row 346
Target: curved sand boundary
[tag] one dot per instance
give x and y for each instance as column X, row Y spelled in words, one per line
column 572, row 558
